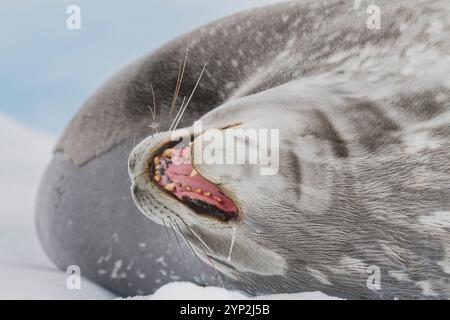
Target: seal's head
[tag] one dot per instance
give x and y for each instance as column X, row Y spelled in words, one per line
column 271, row 181
column 302, row 204
column 356, row 172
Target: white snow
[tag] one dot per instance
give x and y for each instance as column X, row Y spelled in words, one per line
column 190, row 291
column 25, row 271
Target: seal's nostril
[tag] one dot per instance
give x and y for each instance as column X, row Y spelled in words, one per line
column 131, row 163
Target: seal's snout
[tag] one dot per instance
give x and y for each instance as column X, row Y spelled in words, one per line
column 134, row 162
column 161, row 166
column 141, row 156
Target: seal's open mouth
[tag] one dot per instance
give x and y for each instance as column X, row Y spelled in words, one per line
column 172, row 170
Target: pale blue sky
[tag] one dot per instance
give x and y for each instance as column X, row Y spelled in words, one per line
column 47, row 71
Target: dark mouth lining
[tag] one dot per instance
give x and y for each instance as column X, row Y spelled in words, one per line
column 173, row 172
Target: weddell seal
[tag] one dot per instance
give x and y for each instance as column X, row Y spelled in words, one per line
column 358, row 202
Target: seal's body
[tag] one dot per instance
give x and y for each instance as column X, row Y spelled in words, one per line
column 363, row 186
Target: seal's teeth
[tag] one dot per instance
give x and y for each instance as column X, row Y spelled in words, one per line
column 199, row 191
column 170, row 187
column 167, row 153
column 156, row 160
column 193, row 173
column 218, row 199
column 157, row 178
column 188, row 188
column 207, row 194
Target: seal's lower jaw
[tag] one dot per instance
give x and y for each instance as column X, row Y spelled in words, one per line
column 173, row 172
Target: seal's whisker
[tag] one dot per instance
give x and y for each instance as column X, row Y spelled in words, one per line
column 176, row 237
column 167, row 233
column 213, row 266
column 178, row 114
column 202, row 263
column 154, row 103
column 179, row 81
column 192, row 94
column 167, row 230
column 203, row 250
column 153, row 125
column 168, row 236
column 153, row 113
column 233, row 239
column 178, row 117
column 172, row 104
column 197, row 236
column 134, row 140
column 154, row 128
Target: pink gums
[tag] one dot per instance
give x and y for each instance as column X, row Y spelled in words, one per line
column 178, row 170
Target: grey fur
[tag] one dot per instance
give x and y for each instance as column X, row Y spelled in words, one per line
column 365, row 144
column 361, row 152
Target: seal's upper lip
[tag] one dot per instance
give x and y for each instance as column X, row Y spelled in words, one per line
column 174, row 174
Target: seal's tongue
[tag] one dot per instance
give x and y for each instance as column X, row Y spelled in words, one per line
column 175, row 173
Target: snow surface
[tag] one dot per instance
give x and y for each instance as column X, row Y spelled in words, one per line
column 25, row 270
column 191, row 291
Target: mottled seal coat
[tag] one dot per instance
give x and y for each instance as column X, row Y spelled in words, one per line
column 364, row 174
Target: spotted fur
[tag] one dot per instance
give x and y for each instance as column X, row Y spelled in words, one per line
column 364, row 119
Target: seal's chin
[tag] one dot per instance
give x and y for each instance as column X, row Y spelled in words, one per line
column 172, row 171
